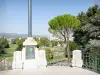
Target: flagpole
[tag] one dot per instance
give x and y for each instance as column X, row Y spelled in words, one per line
column 29, row 18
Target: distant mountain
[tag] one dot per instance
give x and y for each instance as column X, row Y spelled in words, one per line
column 16, row 35
column 12, row 35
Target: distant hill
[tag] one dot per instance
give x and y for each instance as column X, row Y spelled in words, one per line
column 16, row 35
column 12, row 35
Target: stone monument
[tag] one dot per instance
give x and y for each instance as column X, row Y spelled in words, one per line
column 30, row 57
column 30, row 54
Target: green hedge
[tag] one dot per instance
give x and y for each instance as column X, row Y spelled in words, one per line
column 49, row 54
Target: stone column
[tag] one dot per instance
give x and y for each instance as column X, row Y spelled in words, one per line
column 77, row 58
column 31, row 63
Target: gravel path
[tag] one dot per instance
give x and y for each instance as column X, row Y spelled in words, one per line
column 51, row 70
column 59, row 63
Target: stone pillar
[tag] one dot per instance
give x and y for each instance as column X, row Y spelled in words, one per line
column 17, row 60
column 30, row 62
column 42, row 58
column 77, row 58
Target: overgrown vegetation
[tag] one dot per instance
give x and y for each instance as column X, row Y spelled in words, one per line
column 43, row 41
column 19, row 42
column 3, row 44
column 88, row 34
column 73, row 46
column 49, row 54
column 62, row 27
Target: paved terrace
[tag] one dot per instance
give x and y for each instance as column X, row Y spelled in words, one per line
column 51, row 70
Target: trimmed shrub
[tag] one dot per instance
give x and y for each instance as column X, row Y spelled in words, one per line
column 20, row 44
column 72, row 46
column 49, row 54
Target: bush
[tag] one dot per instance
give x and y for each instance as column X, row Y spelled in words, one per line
column 19, row 48
column 72, row 46
column 20, row 44
column 49, row 54
column 2, row 50
column 4, row 42
column 54, row 43
column 13, row 41
column 44, row 41
column 93, row 47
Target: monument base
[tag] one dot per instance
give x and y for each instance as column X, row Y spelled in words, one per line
column 30, row 57
column 30, row 64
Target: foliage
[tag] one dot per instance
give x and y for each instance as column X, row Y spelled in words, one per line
column 89, row 28
column 38, row 42
column 54, row 43
column 2, row 51
column 16, row 40
column 73, row 46
column 13, row 41
column 62, row 27
column 93, row 47
column 9, row 51
column 44, row 41
column 3, row 44
column 36, row 39
column 20, row 44
column 49, row 54
column 57, row 58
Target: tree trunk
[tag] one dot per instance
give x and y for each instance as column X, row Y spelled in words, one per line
column 68, row 53
column 68, row 50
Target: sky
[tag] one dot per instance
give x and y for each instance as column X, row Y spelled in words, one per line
column 14, row 14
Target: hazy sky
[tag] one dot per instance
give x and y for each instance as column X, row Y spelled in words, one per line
column 14, row 13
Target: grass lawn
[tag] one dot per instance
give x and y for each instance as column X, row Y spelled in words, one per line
column 57, row 58
column 9, row 52
column 11, row 49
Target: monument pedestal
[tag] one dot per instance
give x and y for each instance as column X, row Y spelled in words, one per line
column 30, row 57
column 30, row 64
column 30, row 61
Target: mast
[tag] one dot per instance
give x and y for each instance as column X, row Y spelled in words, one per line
column 29, row 18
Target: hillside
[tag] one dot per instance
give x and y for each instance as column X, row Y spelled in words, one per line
column 16, row 35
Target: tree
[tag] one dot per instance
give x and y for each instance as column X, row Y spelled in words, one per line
column 63, row 26
column 16, row 40
column 38, row 42
column 13, row 41
column 20, row 44
column 93, row 47
column 44, row 41
column 73, row 46
column 2, row 50
column 89, row 30
column 4, row 42
column 54, row 43
column 49, row 54
column 78, row 35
